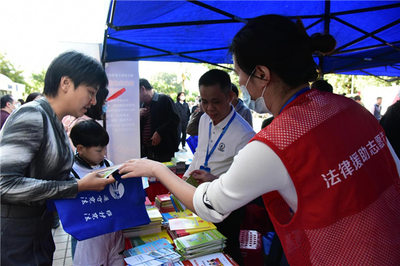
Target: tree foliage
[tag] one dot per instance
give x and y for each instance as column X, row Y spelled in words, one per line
column 168, row 83
column 8, row 69
column 356, row 83
column 37, row 81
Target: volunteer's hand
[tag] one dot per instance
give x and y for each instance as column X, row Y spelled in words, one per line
column 94, row 182
column 139, row 168
column 202, row 176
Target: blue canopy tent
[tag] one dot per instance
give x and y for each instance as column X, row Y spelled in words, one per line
column 367, row 32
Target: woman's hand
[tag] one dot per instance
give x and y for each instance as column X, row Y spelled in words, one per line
column 94, row 182
column 139, row 168
column 202, row 176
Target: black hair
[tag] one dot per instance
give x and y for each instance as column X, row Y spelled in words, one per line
column 21, row 101
column 89, row 133
column 80, row 68
column 379, row 98
column 145, row 83
column 235, row 90
column 6, row 99
column 32, row 96
column 357, row 98
column 281, row 45
column 96, row 111
column 179, row 94
column 322, row 85
column 216, row 76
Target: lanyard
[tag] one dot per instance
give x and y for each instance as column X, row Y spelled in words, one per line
column 294, row 97
column 208, row 155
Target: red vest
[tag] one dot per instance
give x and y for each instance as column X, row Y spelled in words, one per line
column 346, row 181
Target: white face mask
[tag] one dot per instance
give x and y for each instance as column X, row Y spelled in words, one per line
column 182, row 98
column 259, row 104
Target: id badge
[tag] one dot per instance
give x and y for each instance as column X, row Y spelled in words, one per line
column 205, row 168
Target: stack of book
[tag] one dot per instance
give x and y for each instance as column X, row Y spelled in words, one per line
column 216, row 259
column 152, row 228
column 200, row 244
column 183, row 226
column 163, row 203
column 180, row 165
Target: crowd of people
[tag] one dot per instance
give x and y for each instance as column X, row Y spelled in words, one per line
column 326, row 170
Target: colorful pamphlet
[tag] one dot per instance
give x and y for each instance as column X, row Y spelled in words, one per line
column 155, row 245
column 143, row 239
column 106, row 172
column 161, row 256
column 171, row 215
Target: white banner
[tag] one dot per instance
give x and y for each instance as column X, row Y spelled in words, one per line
column 123, row 124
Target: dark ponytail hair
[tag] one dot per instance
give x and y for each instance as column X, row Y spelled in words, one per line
column 281, row 45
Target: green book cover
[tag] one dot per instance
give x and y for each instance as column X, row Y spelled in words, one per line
column 201, row 239
column 192, row 181
column 214, row 248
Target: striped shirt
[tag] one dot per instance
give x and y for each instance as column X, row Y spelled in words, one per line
column 146, row 133
column 35, row 157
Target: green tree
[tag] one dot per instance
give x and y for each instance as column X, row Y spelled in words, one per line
column 167, row 83
column 37, row 81
column 345, row 83
column 8, row 69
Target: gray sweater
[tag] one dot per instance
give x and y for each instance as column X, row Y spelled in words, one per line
column 35, row 157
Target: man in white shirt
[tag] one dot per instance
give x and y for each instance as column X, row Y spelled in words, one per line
column 222, row 133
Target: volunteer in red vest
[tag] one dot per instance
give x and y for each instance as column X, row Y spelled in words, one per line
column 331, row 186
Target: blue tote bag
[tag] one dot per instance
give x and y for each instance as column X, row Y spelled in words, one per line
column 119, row 206
column 192, row 141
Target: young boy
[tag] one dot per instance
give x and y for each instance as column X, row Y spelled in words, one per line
column 91, row 140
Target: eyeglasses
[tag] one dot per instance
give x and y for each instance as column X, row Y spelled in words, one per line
column 251, row 75
column 259, row 77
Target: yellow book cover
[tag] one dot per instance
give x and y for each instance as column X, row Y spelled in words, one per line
column 194, row 231
column 188, row 223
column 144, row 239
column 154, row 213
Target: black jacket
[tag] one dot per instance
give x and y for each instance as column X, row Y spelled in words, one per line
column 183, row 111
column 164, row 120
column 391, row 123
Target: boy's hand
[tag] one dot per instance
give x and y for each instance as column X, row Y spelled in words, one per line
column 94, row 182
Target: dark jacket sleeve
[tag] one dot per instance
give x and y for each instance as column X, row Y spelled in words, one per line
column 193, row 126
column 170, row 116
column 187, row 112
